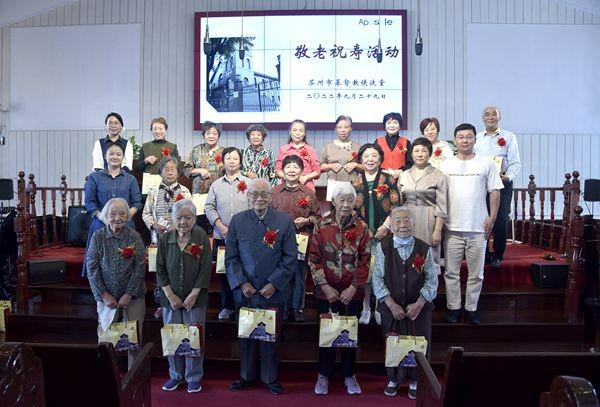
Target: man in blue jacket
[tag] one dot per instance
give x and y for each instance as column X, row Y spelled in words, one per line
column 260, row 260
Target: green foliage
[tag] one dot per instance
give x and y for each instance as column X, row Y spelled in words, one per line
column 136, row 147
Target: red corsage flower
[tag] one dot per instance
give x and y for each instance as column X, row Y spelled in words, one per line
column 418, row 263
column 437, row 153
column 194, row 249
column 303, row 202
column 166, row 152
column 501, row 142
column 179, row 197
column 350, row 235
column 381, row 190
column 264, row 162
column 242, row 187
column 127, row 252
column 270, row 237
column 304, row 153
column 353, row 156
column 218, row 159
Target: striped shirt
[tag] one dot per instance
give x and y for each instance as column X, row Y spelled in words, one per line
column 225, row 199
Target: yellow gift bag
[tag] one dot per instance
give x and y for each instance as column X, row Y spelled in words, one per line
column 123, row 335
column 338, row 331
column 5, row 308
column 400, row 349
column 182, row 340
column 259, row 324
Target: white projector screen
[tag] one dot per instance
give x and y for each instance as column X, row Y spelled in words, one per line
column 69, row 78
column 544, row 78
column 300, row 65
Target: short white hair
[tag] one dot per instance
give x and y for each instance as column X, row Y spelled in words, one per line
column 259, row 181
column 181, row 204
column 104, row 213
column 407, row 209
column 343, row 188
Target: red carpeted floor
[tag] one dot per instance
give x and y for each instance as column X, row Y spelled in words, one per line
column 298, row 391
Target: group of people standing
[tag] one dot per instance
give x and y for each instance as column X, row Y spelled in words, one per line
column 394, row 204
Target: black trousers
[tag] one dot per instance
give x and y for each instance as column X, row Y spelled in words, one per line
column 226, row 293
column 326, row 363
column 501, row 224
column 251, row 349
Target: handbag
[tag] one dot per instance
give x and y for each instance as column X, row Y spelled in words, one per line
column 259, row 324
column 5, row 308
column 337, row 331
column 123, row 335
column 182, row 340
column 400, row 350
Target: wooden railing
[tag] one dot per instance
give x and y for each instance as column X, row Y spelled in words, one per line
column 26, row 227
column 541, row 228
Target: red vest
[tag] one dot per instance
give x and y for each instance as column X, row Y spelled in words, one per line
column 393, row 159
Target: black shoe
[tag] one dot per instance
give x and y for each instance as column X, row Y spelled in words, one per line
column 472, row 318
column 287, row 315
column 240, row 384
column 298, row 315
column 496, row 263
column 453, row 316
column 275, row 388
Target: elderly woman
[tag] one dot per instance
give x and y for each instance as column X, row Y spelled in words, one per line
column 339, row 158
column 430, row 128
column 339, row 264
column 105, row 184
column 258, row 161
column 183, row 267
column 205, row 162
column 153, row 151
column 114, row 125
column 116, row 265
column 405, row 283
column 376, row 194
column 226, row 197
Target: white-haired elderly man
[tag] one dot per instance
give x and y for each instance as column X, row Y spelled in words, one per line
column 260, row 261
column 340, row 253
column 116, row 264
column 405, row 282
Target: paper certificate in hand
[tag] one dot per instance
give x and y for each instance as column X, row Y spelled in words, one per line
column 220, row 268
column 302, row 242
column 150, row 181
column 199, row 201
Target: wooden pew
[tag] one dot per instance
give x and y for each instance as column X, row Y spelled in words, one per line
column 568, row 391
column 88, row 375
column 21, row 376
column 499, row 379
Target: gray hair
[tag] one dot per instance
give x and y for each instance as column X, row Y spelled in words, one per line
column 259, row 181
column 181, row 204
column 163, row 162
column 104, row 213
column 408, row 209
column 343, row 188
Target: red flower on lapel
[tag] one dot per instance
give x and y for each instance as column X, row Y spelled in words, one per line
column 303, row 202
column 127, row 252
column 304, row 153
column 264, row 162
column 218, row 159
column 194, row 250
column 437, row 153
column 418, row 263
column 501, row 142
column 166, row 152
column 350, row 235
column 381, row 190
column 353, row 156
column 270, row 237
column 242, row 187
column 179, row 197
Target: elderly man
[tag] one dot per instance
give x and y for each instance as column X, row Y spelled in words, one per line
column 405, row 283
column 470, row 178
column 496, row 142
column 260, row 260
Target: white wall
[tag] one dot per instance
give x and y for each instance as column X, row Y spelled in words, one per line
column 436, row 80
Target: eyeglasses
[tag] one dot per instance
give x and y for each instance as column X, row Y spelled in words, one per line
column 255, row 195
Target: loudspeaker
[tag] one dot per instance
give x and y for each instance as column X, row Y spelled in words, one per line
column 47, row 271
column 591, row 190
column 78, row 226
column 7, row 193
column 545, row 275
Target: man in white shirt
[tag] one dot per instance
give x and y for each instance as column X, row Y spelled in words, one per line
column 470, row 179
column 500, row 143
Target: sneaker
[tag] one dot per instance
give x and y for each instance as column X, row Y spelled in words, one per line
column 377, row 316
column 298, row 315
column 412, row 391
column 322, row 386
column 225, row 313
column 171, row 384
column 452, row 316
column 352, row 385
column 391, row 389
column 472, row 318
column 194, row 387
column 365, row 317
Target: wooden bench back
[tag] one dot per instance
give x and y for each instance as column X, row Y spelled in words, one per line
column 511, row 379
column 21, row 376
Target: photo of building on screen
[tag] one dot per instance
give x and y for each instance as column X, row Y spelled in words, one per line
column 233, row 83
